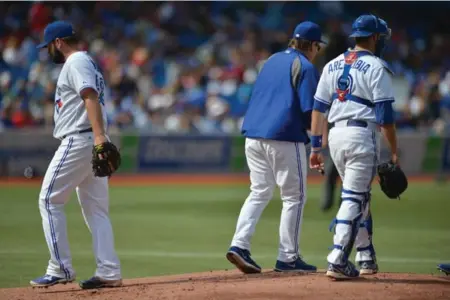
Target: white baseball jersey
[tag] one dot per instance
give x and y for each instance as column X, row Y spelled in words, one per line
column 79, row 72
column 353, row 95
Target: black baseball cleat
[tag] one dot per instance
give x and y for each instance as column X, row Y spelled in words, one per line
column 347, row 271
column 49, row 280
column 242, row 259
column 369, row 267
column 299, row 265
column 98, row 283
column 444, row 268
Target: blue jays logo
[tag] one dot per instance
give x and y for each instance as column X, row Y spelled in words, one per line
column 351, row 57
column 58, row 105
column 345, row 85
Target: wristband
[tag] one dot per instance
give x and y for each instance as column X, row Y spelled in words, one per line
column 316, row 141
column 316, row 150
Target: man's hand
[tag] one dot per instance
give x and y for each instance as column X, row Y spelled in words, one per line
column 316, row 162
column 100, row 139
column 394, row 159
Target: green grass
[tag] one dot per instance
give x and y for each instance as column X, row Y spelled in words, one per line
column 180, row 229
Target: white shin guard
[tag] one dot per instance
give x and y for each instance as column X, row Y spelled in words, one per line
column 351, row 222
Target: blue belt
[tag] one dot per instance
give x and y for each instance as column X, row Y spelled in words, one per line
column 354, row 123
column 357, row 123
column 81, row 131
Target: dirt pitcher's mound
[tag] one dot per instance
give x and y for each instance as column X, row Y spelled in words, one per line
column 268, row 285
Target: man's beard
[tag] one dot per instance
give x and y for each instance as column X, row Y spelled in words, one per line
column 57, row 57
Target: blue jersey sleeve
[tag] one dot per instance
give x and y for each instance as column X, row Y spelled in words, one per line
column 384, row 113
column 307, row 88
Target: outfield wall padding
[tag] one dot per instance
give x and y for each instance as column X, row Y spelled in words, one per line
column 147, row 154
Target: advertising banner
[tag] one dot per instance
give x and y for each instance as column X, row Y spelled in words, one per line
column 418, row 153
column 21, row 150
column 183, row 153
column 29, row 150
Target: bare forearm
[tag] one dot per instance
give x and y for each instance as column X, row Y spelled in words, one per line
column 390, row 135
column 325, row 133
column 317, row 123
column 94, row 112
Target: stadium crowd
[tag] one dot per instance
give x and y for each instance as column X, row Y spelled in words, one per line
column 188, row 67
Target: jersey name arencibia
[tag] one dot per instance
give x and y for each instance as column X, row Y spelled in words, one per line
column 354, row 95
column 78, row 73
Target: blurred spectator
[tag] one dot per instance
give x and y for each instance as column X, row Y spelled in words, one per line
column 177, row 67
column 39, row 16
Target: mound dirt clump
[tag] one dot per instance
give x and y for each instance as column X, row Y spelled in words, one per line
column 233, row 285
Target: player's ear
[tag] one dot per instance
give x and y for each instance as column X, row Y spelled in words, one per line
column 57, row 43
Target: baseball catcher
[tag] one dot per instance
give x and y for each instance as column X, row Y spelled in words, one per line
column 355, row 93
column 392, row 180
column 105, row 159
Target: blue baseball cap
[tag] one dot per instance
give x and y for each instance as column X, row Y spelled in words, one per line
column 308, row 31
column 367, row 25
column 57, row 29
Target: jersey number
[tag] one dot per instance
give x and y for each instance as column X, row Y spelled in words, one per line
column 100, row 84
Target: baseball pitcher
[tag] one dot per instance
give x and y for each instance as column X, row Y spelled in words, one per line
column 275, row 127
column 82, row 162
column 355, row 92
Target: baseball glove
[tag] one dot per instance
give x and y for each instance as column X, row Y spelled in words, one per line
column 105, row 159
column 393, row 181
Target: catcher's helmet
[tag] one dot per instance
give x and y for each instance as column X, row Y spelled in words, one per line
column 367, row 25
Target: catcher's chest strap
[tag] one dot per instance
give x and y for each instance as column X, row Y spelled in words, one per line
column 345, row 81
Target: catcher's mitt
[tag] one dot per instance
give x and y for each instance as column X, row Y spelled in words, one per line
column 105, row 159
column 393, row 181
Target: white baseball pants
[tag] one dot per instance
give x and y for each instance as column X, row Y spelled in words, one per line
column 355, row 152
column 274, row 163
column 71, row 169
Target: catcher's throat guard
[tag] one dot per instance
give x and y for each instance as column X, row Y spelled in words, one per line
column 392, row 179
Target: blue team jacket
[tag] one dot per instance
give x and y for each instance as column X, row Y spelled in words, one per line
column 282, row 99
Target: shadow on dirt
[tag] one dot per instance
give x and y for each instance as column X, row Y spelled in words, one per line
column 428, row 281
column 233, row 277
column 203, row 279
